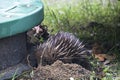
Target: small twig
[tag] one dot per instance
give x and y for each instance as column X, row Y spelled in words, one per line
column 29, row 62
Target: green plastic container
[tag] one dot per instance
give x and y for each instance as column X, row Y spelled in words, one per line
column 17, row 16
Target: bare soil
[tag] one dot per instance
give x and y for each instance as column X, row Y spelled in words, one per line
column 60, row 71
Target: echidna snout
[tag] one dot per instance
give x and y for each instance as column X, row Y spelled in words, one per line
column 62, row 46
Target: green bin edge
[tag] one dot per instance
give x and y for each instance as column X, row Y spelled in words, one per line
column 22, row 24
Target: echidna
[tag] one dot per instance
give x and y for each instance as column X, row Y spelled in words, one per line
column 63, row 46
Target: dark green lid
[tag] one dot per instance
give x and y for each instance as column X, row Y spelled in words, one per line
column 17, row 16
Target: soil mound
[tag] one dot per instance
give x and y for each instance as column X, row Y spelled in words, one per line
column 60, row 71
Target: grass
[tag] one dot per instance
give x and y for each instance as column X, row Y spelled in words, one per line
column 89, row 21
column 14, row 75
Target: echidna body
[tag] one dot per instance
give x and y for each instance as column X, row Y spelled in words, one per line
column 62, row 46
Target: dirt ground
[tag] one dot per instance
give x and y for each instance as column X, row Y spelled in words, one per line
column 60, row 71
